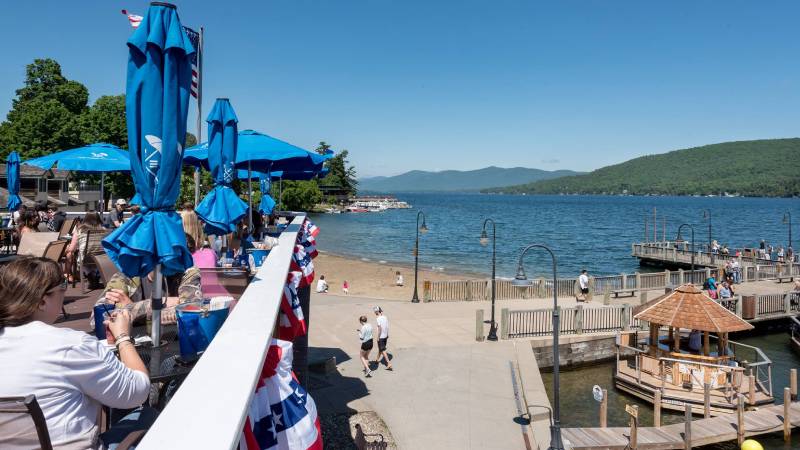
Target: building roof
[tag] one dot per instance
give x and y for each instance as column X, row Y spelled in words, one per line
column 690, row 308
column 28, row 171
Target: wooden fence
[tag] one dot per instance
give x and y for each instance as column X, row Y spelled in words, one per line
column 580, row 319
column 680, row 252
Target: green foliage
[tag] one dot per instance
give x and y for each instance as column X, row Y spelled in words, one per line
column 766, row 168
column 46, row 114
column 104, row 121
column 341, row 175
column 300, row 195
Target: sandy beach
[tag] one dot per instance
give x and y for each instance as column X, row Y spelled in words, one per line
column 373, row 279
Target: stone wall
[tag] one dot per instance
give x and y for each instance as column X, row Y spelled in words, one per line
column 574, row 350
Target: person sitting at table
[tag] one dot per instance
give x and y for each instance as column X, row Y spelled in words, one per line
column 70, row 372
column 205, row 257
column 77, row 245
column 124, row 290
column 724, row 291
column 30, row 223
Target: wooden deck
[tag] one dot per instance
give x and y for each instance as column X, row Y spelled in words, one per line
column 674, row 397
column 721, row 428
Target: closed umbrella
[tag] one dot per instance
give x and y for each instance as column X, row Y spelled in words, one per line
column 221, row 209
column 267, row 202
column 156, row 102
column 12, row 176
column 94, row 158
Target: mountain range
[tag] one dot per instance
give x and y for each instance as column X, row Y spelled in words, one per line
column 457, row 180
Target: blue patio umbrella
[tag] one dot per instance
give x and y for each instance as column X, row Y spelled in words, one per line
column 264, row 153
column 267, row 202
column 12, row 176
column 94, row 158
column 221, row 209
column 156, row 103
column 285, row 175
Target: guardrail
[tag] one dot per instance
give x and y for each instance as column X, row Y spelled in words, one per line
column 223, row 381
column 680, row 252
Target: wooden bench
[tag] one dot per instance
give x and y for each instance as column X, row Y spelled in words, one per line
column 787, row 278
column 626, row 292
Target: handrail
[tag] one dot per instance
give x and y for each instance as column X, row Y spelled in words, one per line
column 222, row 384
column 700, row 363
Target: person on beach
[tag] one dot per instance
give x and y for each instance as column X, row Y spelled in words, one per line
column 322, row 285
column 583, row 281
column 383, row 337
column 365, row 336
column 346, row 287
column 398, row 279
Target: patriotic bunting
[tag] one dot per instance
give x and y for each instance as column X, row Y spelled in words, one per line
column 291, row 321
column 282, row 416
column 301, row 262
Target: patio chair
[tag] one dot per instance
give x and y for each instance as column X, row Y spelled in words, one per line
column 34, row 244
column 224, row 281
column 92, row 247
column 55, row 250
column 66, row 228
column 105, row 266
column 22, row 424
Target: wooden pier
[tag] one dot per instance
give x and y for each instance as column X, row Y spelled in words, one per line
column 678, row 255
column 713, row 430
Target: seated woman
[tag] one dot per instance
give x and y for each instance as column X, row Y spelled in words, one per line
column 129, row 291
column 70, row 372
column 204, row 257
column 77, row 246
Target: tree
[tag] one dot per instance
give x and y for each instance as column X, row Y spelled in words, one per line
column 45, row 115
column 105, row 121
column 340, row 175
column 300, row 195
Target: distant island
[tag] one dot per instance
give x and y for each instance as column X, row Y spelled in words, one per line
column 456, row 180
column 760, row 168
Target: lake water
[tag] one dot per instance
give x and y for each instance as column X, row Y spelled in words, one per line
column 593, row 232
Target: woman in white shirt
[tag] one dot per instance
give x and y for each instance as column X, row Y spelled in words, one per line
column 365, row 336
column 70, row 372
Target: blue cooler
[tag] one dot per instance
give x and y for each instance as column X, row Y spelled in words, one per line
column 197, row 327
column 256, row 257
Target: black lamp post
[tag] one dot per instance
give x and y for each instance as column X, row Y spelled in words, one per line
column 484, row 242
column 707, row 216
column 420, row 229
column 679, row 239
column 522, row 281
column 787, row 219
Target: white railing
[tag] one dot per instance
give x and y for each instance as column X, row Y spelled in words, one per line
column 217, row 393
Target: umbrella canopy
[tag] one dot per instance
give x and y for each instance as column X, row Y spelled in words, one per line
column 94, row 158
column 267, row 202
column 285, row 175
column 222, row 209
column 688, row 307
column 264, row 153
column 156, row 102
column 12, row 176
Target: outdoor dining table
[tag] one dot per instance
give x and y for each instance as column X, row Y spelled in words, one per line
column 162, row 362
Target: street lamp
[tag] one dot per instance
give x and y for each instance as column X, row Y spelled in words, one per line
column 787, row 219
column 522, row 281
column 707, row 216
column 484, row 242
column 679, row 239
column 420, row 229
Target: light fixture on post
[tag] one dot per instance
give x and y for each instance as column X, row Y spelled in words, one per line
column 787, row 220
column 420, row 229
column 522, row 281
column 484, row 242
column 692, row 249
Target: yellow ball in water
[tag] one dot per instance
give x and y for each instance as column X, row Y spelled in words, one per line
column 751, row 445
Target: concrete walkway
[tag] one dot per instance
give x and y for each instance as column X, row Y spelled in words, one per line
column 446, row 391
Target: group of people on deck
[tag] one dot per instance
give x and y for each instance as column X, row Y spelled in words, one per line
column 718, row 290
column 779, row 254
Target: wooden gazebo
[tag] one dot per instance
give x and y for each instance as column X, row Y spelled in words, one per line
column 689, row 308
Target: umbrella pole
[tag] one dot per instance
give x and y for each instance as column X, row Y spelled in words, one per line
column 280, row 193
column 249, row 199
column 196, row 186
column 157, row 292
column 102, row 192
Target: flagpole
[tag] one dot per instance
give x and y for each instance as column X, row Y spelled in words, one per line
column 199, row 112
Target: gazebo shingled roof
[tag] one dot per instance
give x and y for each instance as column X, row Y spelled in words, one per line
column 690, row 308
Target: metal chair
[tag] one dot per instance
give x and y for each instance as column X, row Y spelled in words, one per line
column 22, row 424
column 92, row 247
column 66, row 228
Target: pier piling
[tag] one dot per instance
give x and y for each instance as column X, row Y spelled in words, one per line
column 787, row 420
column 706, row 400
column 739, row 420
column 687, row 434
column 657, row 408
column 479, row 325
column 793, row 383
column 604, row 410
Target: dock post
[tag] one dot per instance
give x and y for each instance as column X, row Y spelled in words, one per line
column 667, row 278
column 680, row 277
column 657, row 408
column 787, row 420
column 787, row 304
column 643, row 298
column 706, row 400
column 634, row 444
column 751, row 395
column 687, row 434
column 625, row 322
column 504, row 323
column 604, row 410
column 479, row 325
column 624, row 281
column 579, row 319
column 793, row 383
column 708, row 273
column 739, row 305
column 740, row 420
column 638, row 281
column 607, row 298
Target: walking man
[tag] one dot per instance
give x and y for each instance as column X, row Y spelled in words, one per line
column 383, row 337
column 583, row 281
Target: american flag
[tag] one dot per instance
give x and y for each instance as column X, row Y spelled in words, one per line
column 291, row 322
column 194, row 37
column 301, row 262
column 282, row 415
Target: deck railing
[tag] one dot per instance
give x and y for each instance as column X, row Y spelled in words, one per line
column 220, row 388
column 680, row 252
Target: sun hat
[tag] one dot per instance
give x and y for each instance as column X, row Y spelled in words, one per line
column 121, row 201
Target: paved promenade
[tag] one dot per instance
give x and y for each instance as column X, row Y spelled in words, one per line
column 446, row 392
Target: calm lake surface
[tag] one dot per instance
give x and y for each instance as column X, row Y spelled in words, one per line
column 592, row 232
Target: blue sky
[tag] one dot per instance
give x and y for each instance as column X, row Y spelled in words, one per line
column 421, row 84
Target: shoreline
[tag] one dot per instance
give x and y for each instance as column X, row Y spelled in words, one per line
column 373, row 279
column 409, row 266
